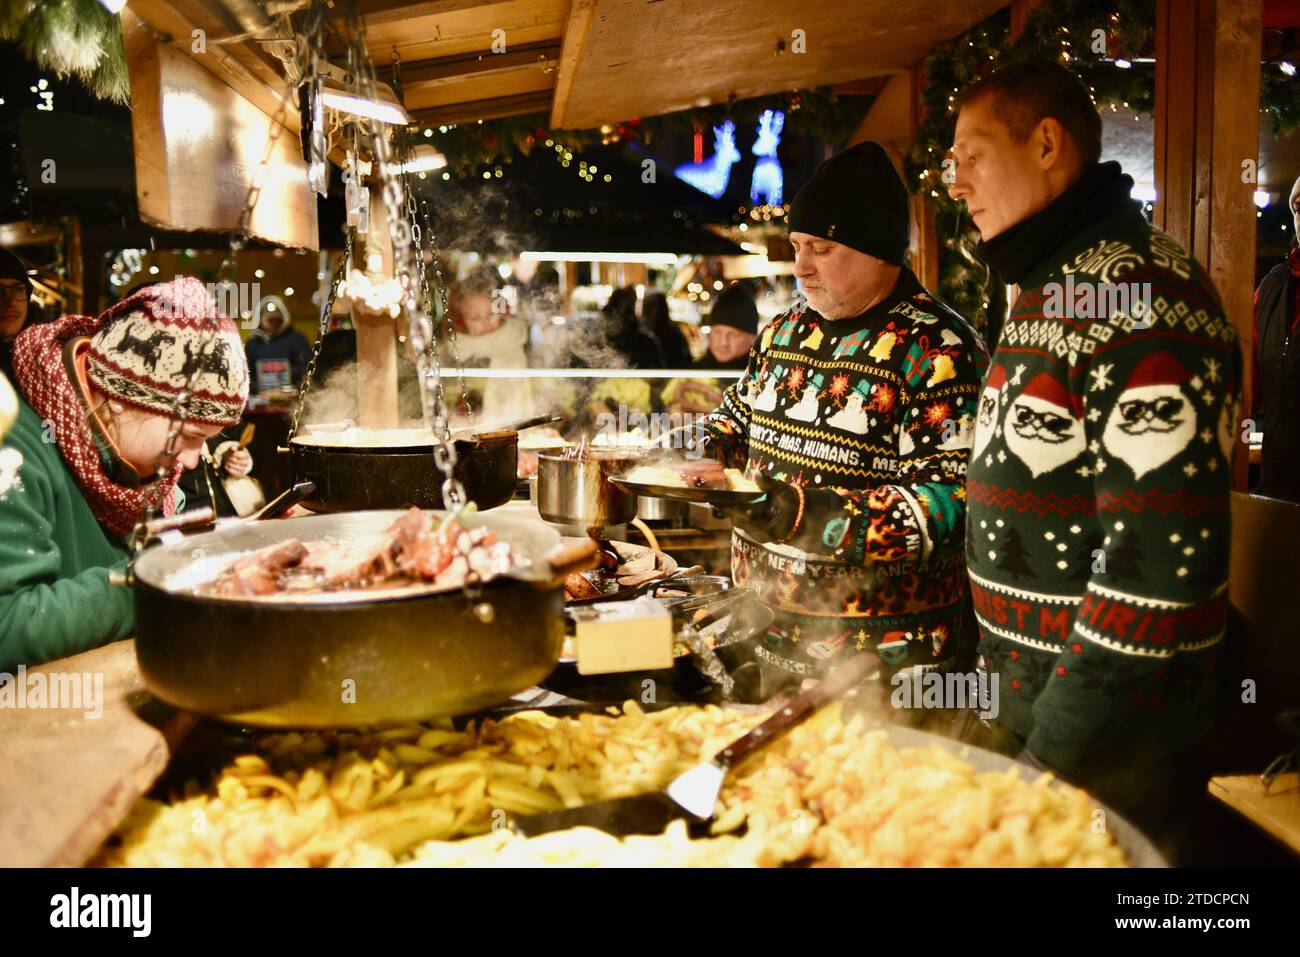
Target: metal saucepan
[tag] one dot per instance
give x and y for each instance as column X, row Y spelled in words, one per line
column 363, row 478
column 348, row 659
column 575, row 489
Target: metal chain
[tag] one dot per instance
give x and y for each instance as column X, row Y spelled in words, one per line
column 444, row 318
column 420, row 326
column 403, row 157
column 327, row 309
column 208, row 335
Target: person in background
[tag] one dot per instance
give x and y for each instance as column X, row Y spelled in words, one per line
column 97, row 400
column 273, row 344
column 1275, row 402
column 204, row 485
column 733, row 326
column 489, row 336
column 1098, row 508
column 656, row 321
column 622, row 332
column 15, row 300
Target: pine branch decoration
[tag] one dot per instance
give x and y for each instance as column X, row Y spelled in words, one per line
column 70, row 38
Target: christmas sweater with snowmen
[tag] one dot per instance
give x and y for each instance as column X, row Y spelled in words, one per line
column 871, row 418
column 1098, row 517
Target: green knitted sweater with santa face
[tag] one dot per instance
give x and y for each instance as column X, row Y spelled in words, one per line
column 1098, row 521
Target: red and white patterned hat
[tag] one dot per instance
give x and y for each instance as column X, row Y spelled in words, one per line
column 149, row 344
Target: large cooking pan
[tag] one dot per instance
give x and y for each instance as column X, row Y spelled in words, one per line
column 361, row 478
column 346, row 659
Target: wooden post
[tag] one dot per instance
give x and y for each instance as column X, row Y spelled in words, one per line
column 1020, row 15
column 1207, row 148
column 892, row 121
column 376, row 332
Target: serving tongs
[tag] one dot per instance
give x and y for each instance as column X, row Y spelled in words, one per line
column 694, row 794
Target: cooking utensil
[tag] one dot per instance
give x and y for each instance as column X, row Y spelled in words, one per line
column 509, row 425
column 677, row 579
column 719, row 497
column 575, row 489
column 347, row 659
column 694, row 794
column 363, row 478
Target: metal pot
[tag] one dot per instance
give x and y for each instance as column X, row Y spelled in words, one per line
column 575, row 490
column 652, row 509
column 362, row 478
column 347, row 659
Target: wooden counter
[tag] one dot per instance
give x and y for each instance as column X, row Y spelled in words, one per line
column 66, row 778
column 1277, row 811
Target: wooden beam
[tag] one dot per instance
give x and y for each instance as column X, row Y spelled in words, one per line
column 27, row 233
column 576, row 30
column 244, row 71
column 1207, row 136
column 199, row 144
column 484, row 109
column 1020, row 16
column 459, row 69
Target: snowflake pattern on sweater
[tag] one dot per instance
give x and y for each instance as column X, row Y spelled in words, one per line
column 871, row 419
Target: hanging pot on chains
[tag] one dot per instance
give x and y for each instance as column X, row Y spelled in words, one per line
column 356, row 470
column 367, row 655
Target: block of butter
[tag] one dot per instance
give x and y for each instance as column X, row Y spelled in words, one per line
column 616, row 636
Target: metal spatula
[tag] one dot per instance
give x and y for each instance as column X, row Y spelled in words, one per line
column 694, row 794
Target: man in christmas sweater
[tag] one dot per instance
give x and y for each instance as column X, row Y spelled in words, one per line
column 856, row 412
column 1098, row 522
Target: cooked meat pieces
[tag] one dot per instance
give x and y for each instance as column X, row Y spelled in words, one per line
column 275, row 557
column 353, row 564
column 702, row 473
column 576, row 586
column 259, row 572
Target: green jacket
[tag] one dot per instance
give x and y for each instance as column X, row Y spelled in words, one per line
column 55, row 599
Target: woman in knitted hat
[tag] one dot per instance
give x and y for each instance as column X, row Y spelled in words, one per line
column 97, row 400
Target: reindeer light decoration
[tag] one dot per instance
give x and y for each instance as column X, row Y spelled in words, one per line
column 768, row 182
column 711, row 175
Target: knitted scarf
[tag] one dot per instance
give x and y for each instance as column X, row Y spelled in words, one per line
column 43, row 378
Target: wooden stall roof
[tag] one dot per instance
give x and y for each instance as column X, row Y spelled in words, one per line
column 589, row 62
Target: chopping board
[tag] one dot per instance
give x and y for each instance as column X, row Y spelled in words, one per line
column 67, row 778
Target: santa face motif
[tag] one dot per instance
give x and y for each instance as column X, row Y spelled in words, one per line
column 1226, row 433
column 986, row 421
column 1043, row 434
column 1148, row 426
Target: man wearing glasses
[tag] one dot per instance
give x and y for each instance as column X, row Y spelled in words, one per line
column 15, row 291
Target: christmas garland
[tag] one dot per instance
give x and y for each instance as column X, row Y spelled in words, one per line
column 71, row 37
column 1062, row 30
column 820, row 112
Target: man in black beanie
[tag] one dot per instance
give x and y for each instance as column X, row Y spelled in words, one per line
column 15, row 294
column 733, row 326
column 855, row 413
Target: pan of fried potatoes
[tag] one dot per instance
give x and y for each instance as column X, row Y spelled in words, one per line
column 836, row 791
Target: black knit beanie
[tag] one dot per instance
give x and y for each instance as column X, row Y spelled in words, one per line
column 857, row 199
column 735, row 307
column 11, row 267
